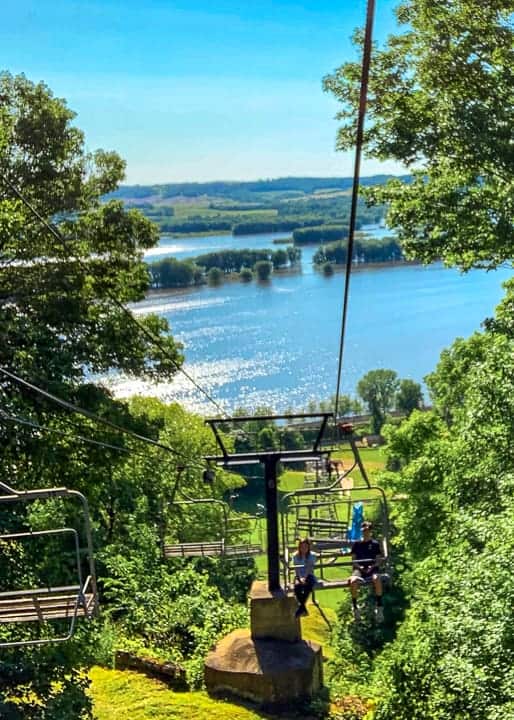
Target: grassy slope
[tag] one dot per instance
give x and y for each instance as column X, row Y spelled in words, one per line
column 123, row 695
column 128, row 695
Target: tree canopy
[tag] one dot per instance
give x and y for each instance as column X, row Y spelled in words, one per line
column 63, row 295
column 441, row 101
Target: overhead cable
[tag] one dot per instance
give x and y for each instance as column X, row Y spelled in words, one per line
column 366, row 59
column 92, row 416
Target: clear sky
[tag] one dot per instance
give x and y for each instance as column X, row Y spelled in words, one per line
column 192, row 90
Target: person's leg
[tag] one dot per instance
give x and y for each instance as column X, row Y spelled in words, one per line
column 301, row 597
column 377, row 586
column 355, row 582
column 299, row 592
column 309, row 584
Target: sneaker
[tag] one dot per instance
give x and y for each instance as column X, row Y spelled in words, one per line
column 379, row 614
column 356, row 614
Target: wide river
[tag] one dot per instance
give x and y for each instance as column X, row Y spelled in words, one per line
column 277, row 344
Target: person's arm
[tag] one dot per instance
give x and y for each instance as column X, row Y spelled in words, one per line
column 297, row 564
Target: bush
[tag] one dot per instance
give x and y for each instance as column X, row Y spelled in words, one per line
column 246, row 275
column 214, row 277
column 263, row 269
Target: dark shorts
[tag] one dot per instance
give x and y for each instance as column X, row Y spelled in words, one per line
column 365, row 576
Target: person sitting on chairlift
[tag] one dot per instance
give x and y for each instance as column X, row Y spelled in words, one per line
column 303, row 562
column 365, row 570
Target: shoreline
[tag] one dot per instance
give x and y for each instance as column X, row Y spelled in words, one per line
column 234, row 277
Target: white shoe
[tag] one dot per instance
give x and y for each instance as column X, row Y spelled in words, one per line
column 379, row 614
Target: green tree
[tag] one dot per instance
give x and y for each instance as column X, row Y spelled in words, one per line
column 409, row 396
column 215, row 276
column 294, row 254
column 440, row 101
column 263, row 270
column 246, row 275
column 378, row 389
column 62, row 318
column 279, row 258
column 61, row 303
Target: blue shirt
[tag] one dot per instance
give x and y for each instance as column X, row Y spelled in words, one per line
column 304, row 565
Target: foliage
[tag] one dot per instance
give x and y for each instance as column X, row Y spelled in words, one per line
column 176, row 611
column 453, row 654
column 170, row 273
column 409, row 396
column 440, row 100
column 378, row 389
column 58, row 317
column 320, row 234
column 214, row 276
column 246, row 275
column 366, row 250
column 263, row 270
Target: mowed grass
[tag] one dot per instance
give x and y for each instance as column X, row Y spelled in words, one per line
column 128, row 695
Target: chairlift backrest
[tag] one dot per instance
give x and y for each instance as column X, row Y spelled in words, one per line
column 63, row 602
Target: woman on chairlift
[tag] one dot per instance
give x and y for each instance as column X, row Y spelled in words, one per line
column 303, row 563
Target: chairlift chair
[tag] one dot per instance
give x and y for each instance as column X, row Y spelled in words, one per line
column 330, row 539
column 214, row 548
column 57, row 602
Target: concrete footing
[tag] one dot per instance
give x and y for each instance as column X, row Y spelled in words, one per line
column 269, row 664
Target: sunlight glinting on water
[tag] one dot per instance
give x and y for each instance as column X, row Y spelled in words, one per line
column 156, row 305
column 276, row 344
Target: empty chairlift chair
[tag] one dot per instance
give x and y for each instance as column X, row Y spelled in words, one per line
column 46, row 603
column 220, row 547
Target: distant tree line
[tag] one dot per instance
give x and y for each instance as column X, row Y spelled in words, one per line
column 264, row 226
column 319, row 234
column 211, row 267
column 366, row 250
column 242, row 190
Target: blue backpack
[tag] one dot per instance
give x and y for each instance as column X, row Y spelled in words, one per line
column 355, row 532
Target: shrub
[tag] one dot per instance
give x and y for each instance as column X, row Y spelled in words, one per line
column 246, row 275
column 263, row 269
column 214, row 276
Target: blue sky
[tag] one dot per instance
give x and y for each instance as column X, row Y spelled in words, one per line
column 196, row 90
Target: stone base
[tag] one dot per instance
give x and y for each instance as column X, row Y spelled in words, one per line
column 264, row 671
column 272, row 614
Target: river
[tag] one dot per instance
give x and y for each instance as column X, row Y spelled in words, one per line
column 277, row 344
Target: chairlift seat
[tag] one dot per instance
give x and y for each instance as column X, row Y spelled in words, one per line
column 45, row 604
column 324, row 527
column 216, row 548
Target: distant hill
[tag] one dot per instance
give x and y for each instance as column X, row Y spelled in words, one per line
column 255, row 190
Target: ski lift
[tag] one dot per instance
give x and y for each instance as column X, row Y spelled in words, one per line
column 332, row 540
column 331, row 516
column 222, row 547
column 55, row 602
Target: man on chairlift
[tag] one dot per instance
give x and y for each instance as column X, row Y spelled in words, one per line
column 365, row 554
